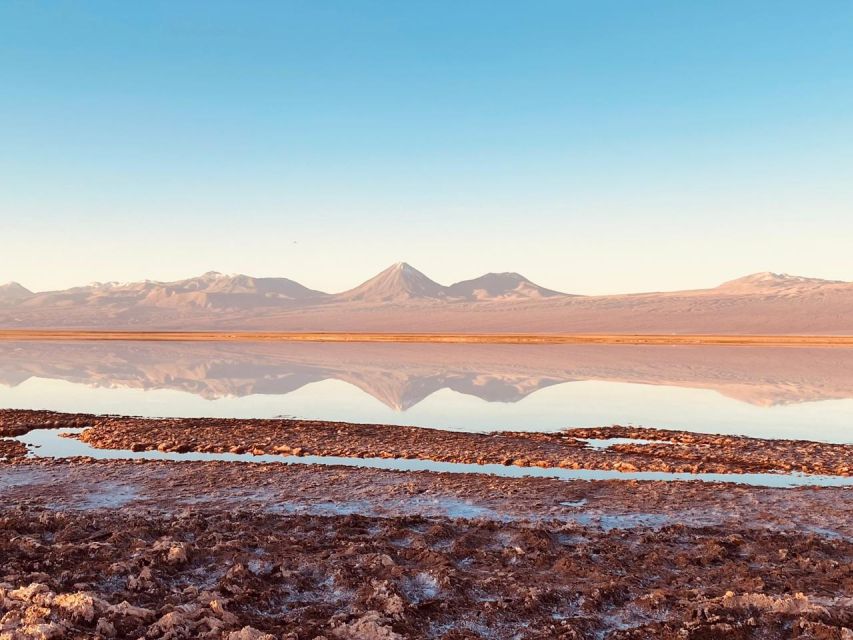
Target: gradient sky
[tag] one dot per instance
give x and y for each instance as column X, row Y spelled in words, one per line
column 596, row 147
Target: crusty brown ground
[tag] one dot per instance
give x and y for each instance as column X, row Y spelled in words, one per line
column 124, row 549
column 280, row 488
column 11, row 449
column 677, row 451
column 209, row 575
column 15, row 422
column 207, row 549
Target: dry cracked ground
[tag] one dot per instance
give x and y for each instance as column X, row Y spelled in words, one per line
column 124, row 549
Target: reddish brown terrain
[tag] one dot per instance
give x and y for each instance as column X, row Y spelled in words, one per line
column 672, row 451
column 124, row 549
column 223, row 551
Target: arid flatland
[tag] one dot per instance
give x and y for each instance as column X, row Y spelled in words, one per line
column 452, row 338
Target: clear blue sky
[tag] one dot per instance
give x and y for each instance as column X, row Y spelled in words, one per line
column 594, row 146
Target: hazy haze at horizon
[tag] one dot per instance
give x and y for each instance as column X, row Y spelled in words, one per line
column 595, row 148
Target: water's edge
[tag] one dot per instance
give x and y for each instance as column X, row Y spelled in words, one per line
column 46, row 443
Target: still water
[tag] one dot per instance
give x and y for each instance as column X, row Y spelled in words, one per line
column 757, row 391
column 53, row 444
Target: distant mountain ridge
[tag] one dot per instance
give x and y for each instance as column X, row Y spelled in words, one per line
column 13, row 292
column 768, row 282
column 209, row 290
column 500, row 286
column 402, row 282
column 398, row 283
column 401, row 299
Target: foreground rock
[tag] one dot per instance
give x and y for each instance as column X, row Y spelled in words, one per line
column 248, row 576
column 123, row 549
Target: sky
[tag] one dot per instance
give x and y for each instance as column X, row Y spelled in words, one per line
column 595, row 147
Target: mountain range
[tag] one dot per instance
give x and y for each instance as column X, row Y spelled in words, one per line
column 401, row 298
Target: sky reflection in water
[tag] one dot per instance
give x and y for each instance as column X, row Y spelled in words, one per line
column 791, row 393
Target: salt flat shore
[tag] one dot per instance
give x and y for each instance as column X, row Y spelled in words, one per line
column 160, row 549
column 633, row 449
column 446, row 338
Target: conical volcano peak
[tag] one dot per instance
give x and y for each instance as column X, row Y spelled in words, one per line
column 404, row 268
column 398, row 283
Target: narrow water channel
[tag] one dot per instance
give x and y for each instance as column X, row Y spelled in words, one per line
column 46, row 443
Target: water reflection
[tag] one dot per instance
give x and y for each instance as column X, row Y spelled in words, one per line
column 49, row 443
column 725, row 389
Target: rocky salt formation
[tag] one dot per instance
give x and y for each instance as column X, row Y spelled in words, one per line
column 122, row 549
column 10, row 449
column 17, row 422
column 669, row 451
column 37, row 612
column 240, row 575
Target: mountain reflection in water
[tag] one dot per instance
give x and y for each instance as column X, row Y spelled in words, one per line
column 401, row 376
